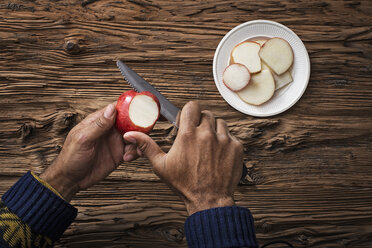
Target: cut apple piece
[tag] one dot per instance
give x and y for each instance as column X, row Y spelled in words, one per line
column 236, row 77
column 261, row 42
column 277, row 54
column 246, row 53
column 280, row 80
column 260, row 89
column 137, row 112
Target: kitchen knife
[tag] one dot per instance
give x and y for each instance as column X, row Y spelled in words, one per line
column 167, row 109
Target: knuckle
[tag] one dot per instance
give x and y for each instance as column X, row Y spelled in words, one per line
column 186, row 133
column 192, row 105
column 224, row 140
column 100, row 123
column 207, row 135
column 144, row 147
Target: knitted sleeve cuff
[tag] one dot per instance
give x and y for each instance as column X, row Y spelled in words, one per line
column 221, row 227
column 44, row 211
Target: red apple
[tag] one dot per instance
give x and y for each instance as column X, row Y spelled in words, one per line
column 137, row 111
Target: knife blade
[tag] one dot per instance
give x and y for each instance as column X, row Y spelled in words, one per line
column 167, row 109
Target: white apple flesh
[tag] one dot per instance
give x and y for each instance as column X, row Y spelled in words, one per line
column 143, row 111
column 260, row 89
column 137, row 112
column 277, row 54
column 246, row 53
column 236, row 77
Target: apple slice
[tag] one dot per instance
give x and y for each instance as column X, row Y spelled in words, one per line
column 259, row 90
column 137, row 112
column 236, row 77
column 246, row 53
column 280, row 80
column 277, row 54
column 261, row 42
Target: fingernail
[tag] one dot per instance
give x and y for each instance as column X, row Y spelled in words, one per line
column 109, row 111
column 129, row 157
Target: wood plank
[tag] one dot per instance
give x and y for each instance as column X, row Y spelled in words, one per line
column 310, row 166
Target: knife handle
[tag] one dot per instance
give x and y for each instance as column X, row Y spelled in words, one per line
column 245, row 172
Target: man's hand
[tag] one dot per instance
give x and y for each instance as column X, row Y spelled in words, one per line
column 92, row 150
column 204, row 164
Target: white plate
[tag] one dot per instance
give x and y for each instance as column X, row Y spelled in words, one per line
column 284, row 98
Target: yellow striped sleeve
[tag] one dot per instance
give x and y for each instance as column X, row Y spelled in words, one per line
column 47, row 185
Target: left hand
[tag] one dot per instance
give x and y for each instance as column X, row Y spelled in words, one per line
column 92, row 150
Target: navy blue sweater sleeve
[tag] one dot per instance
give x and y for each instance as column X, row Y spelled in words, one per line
column 37, row 206
column 221, row 227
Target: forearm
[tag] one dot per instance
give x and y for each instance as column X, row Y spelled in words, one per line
column 33, row 215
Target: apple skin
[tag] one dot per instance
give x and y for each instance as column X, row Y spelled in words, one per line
column 123, row 123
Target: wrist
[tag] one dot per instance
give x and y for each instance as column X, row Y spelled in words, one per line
column 208, row 203
column 66, row 188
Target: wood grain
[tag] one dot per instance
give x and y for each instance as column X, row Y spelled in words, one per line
column 310, row 166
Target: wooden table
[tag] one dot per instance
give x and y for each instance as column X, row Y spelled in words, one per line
column 311, row 166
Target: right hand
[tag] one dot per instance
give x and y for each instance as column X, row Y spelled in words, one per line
column 204, row 164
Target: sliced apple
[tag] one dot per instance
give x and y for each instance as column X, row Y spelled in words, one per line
column 246, row 53
column 261, row 42
column 137, row 111
column 236, row 77
column 260, row 89
column 277, row 54
column 280, row 80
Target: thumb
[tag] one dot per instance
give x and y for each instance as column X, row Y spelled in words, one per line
column 147, row 146
column 102, row 123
